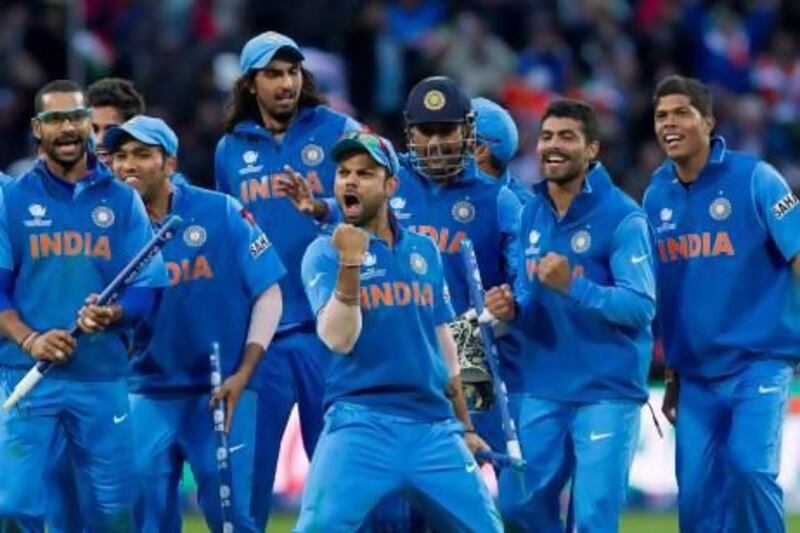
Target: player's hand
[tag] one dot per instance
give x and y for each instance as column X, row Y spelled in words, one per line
column 500, row 302
column 669, row 406
column 93, row 318
column 554, row 272
column 229, row 392
column 297, row 189
column 351, row 243
column 55, row 345
column 475, row 443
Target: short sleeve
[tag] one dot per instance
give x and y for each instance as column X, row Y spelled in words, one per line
column 779, row 209
column 319, row 271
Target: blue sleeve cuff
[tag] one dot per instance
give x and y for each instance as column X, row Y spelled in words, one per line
column 137, row 303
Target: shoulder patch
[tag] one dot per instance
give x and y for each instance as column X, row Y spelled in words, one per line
column 786, row 204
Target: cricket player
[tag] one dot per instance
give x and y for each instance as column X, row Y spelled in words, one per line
column 112, row 101
column 497, row 143
column 393, row 388
column 278, row 122
column 728, row 232
column 66, row 229
column 223, row 288
column 584, row 299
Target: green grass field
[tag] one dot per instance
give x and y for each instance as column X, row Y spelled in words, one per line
column 631, row 523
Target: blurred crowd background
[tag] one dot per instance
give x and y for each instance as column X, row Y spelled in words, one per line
column 183, row 56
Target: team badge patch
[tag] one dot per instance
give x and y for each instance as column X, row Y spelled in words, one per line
column 418, row 263
column 463, row 211
column 369, row 260
column 666, row 214
column 102, row 216
column 194, row 236
column 38, row 212
column 259, row 246
column 720, row 209
column 397, row 202
column 434, row 100
column 312, row 155
column 784, row 205
column 533, row 237
column 250, row 157
column 581, row 241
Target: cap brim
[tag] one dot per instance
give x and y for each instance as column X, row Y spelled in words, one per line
column 114, row 135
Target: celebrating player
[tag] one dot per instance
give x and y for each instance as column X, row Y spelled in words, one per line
column 728, row 233
column 221, row 266
column 382, row 305
column 277, row 118
column 112, row 102
column 497, row 140
column 66, row 229
column 585, row 297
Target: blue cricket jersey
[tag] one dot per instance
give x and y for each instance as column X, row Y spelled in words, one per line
column 218, row 265
column 727, row 294
column 593, row 343
column 470, row 207
column 248, row 162
column 64, row 242
column 506, row 178
column 396, row 365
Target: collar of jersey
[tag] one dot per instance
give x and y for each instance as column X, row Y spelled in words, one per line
column 97, row 173
column 253, row 128
column 717, row 154
column 397, row 231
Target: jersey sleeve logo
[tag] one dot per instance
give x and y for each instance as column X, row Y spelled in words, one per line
column 784, row 205
column 38, row 212
column 195, row 236
column 259, row 246
column 720, row 209
column 103, row 216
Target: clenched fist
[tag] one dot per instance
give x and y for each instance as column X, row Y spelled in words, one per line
column 554, row 272
column 500, row 302
column 351, row 243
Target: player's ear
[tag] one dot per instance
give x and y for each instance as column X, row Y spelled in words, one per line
column 709, row 123
column 36, row 128
column 391, row 185
column 170, row 164
column 482, row 154
column 592, row 149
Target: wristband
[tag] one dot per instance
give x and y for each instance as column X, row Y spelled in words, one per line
column 27, row 342
column 342, row 264
column 346, row 299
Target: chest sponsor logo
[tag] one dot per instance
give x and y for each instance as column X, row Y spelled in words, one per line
column 267, row 188
column 786, row 204
column 312, row 155
column 189, row 269
column 195, row 236
column 581, row 241
column 463, row 211
column 39, row 218
column 720, row 209
column 695, row 245
column 666, row 220
column 396, row 294
column 250, row 157
column 446, row 240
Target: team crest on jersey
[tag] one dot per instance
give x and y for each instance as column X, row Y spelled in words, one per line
column 103, row 216
column 666, row 220
column 533, row 240
column 38, row 212
column 434, row 100
column 418, row 263
column 250, row 158
column 195, row 236
column 720, row 209
column 463, row 211
column 581, row 241
column 397, row 202
column 312, row 155
column 369, row 260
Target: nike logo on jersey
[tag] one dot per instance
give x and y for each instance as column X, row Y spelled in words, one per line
column 470, row 468
column 119, row 419
column 594, row 437
column 636, row 259
column 315, row 280
column 236, row 448
column 767, row 390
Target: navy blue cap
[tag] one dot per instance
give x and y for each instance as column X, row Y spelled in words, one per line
column 147, row 130
column 260, row 50
column 437, row 99
column 379, row 149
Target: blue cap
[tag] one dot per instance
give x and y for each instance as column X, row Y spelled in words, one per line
column 147, row 130
column 437, row 99
column 495, row 128
column 260, row 50
column 379, row 149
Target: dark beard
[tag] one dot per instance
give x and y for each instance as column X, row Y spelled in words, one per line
column 67, row 165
